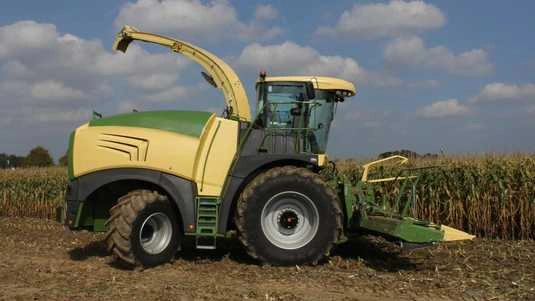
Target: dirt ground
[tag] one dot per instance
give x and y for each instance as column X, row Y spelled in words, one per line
column 42, row 261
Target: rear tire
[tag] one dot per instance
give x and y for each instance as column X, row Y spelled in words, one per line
column 287, row 216
column 143, row 229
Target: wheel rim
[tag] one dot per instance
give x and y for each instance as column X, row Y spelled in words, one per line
column 155, row 233
column 290, row 220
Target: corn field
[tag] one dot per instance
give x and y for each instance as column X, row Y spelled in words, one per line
column 32, row 192
column 491, row 196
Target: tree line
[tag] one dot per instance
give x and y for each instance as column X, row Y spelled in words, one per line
column 37, row 157
column 40, row 157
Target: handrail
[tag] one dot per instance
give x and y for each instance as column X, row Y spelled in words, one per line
column 403, row 160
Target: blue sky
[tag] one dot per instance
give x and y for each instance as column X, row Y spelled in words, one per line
column 431, row 75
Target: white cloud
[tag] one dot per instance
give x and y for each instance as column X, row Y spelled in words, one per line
column 169, row 95
column 265, row 12
column 289, row 58
column 390, row 19
column 475, row 126
column 16, row 69
column 127, row 106
column 68, row 56
column 44, row 92
column 193, row 18
column 155, row 81
column 366, row 118
column 12, row 88
column 429, row 83
column 75, row 115
column 64, row 74
column 502, row 92
column 26, row 115
column 51, row 81
column 29, row 36
column 54, row 90
column 444, row 108
column 411, row 51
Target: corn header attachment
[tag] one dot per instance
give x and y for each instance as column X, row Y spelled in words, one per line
column 370, row 208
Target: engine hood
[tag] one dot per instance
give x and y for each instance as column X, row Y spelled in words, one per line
column 190, row 123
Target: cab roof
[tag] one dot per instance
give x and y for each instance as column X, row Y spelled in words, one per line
column 320, row 82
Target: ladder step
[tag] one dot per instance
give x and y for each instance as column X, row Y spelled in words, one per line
column 205, row 243
column 208, row 202
column 201, row 247
column 206, row 226
column 204, row 229
column 207, row 217
column 207, row 222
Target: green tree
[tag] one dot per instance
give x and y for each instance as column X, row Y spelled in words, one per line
column 3, row 160
column 39, row 157
column 15, row 161
column 9, row 161
column 64, row 160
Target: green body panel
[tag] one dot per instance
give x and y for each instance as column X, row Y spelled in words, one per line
column 93, row 217
column 189, row 123
column 79, row 215
column 70, row 167
column 406, row 229
column 350, row 201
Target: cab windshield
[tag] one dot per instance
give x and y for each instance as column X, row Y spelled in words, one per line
column 283, row 109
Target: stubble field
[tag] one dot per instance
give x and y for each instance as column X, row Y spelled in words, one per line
column 491, row 196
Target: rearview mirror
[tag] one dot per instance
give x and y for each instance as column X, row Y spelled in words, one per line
column 311, row 93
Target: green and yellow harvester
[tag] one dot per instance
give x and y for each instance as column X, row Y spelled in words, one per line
column 152, row 179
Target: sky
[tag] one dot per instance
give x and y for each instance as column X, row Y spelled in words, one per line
column 432, row 76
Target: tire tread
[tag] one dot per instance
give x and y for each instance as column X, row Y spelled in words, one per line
column 122, row 215
column 261, row 179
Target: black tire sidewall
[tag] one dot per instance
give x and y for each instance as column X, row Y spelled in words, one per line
column 147, row 259
column 327, row 228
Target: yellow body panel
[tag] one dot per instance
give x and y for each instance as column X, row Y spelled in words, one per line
column 219, row 146
column 322, row 160
column 107, row 147
column 320, row 82
column 205, row 160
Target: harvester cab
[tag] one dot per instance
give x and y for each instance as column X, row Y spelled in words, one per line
column 152, row 179
column 300, row 106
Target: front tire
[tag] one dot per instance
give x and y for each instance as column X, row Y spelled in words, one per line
column 143, row 229
column 287, row 216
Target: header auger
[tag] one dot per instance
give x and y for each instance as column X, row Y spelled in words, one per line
column 152, row 179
